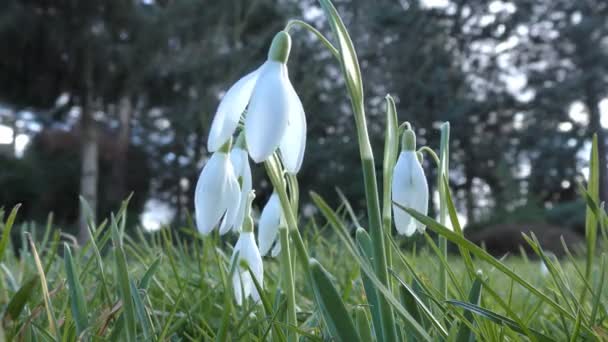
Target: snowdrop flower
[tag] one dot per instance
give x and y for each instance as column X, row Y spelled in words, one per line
column 275, row 116
column 409, row 188
column 248, row 254
column 242, row 171
column 268, row 227
column 217, row 193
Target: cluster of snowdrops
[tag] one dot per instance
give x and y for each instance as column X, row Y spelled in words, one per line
column 264, row 116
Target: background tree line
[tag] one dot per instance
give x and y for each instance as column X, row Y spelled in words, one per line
column 117, row 96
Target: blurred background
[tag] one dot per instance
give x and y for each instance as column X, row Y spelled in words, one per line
column 105, row 97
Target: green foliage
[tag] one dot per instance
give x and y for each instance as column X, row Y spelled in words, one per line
column 146, row 294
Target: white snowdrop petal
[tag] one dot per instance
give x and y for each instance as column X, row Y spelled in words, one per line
column 268, row 226
column 229, row 111
column 236, row 277
column 252, row 255
column 420, row 191
column 293, row 143
column 246, row 188
column 409, row 189
column 276, row 250
column 211, row 182
column 238, row 290
column 266, row 119
column 232, row 198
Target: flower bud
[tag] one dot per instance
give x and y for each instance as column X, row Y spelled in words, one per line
column 280, row 47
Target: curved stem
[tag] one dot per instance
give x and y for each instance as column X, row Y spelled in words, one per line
column 432, row 153
column 316, row 32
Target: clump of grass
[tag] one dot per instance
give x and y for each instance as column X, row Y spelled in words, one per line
column 166, row 285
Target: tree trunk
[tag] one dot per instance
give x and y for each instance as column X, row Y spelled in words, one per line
column 118, row 189
column 596, row 127
column 89, row 169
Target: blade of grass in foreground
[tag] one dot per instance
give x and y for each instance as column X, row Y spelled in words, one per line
column 499, row 319
column 45, row 291
column 485, row 256
column 465, row 333
column 332, row 307
column 124, row 285
column 383, row 291
column 6, row 231
column 77, row 301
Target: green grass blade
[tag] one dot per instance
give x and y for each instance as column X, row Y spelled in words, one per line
column 6, row 231
column 77, row 300
column 363, row 325
column 383, row 291
column 364, row 243
column 465, row 334
column 144, row 283
column 332, row 307
column 142, row 315
column 485, row 256
column 19, row 299
column 124, row 284
column 499, row 319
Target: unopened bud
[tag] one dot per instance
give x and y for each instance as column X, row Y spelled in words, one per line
column 280, row 47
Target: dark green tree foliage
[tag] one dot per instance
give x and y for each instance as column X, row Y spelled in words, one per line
column 563, row 51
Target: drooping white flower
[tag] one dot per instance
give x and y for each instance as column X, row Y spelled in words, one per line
column 409, row 189
column 293, row 143
column 275, row 116
column 229, row 111
column 217, row 195
column 268, row 226
column 242, row 170
column 241, row 280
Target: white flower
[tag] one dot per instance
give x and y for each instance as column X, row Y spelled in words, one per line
column 410, row 190
column 275, row 116
column 241, row 280
column 268, row 227
column 240, row 164
column 217, row 195
column 229, row 111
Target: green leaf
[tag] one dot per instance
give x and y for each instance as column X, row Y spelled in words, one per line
column 348, row 56
column 483, row 255
column 19, row 299
column 333, row 220
column 364, row 243
column 363, row 327
column 124, row 283
column 77, row 300
column 420, row 304
column 147, row 278
column 498, row 319
column 6, row 231
column 332, row 307
column 142, row 314
column 465, row 334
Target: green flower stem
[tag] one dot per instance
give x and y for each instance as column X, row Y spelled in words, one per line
column 443, row 172
column 275, row 174
column 432, row 154
column 316, row 32
column 391, row 147
column 346, row 56
column 288, row 283
column 374, row 217
column 442, row 169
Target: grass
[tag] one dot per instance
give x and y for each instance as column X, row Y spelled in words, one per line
column 170, row 286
